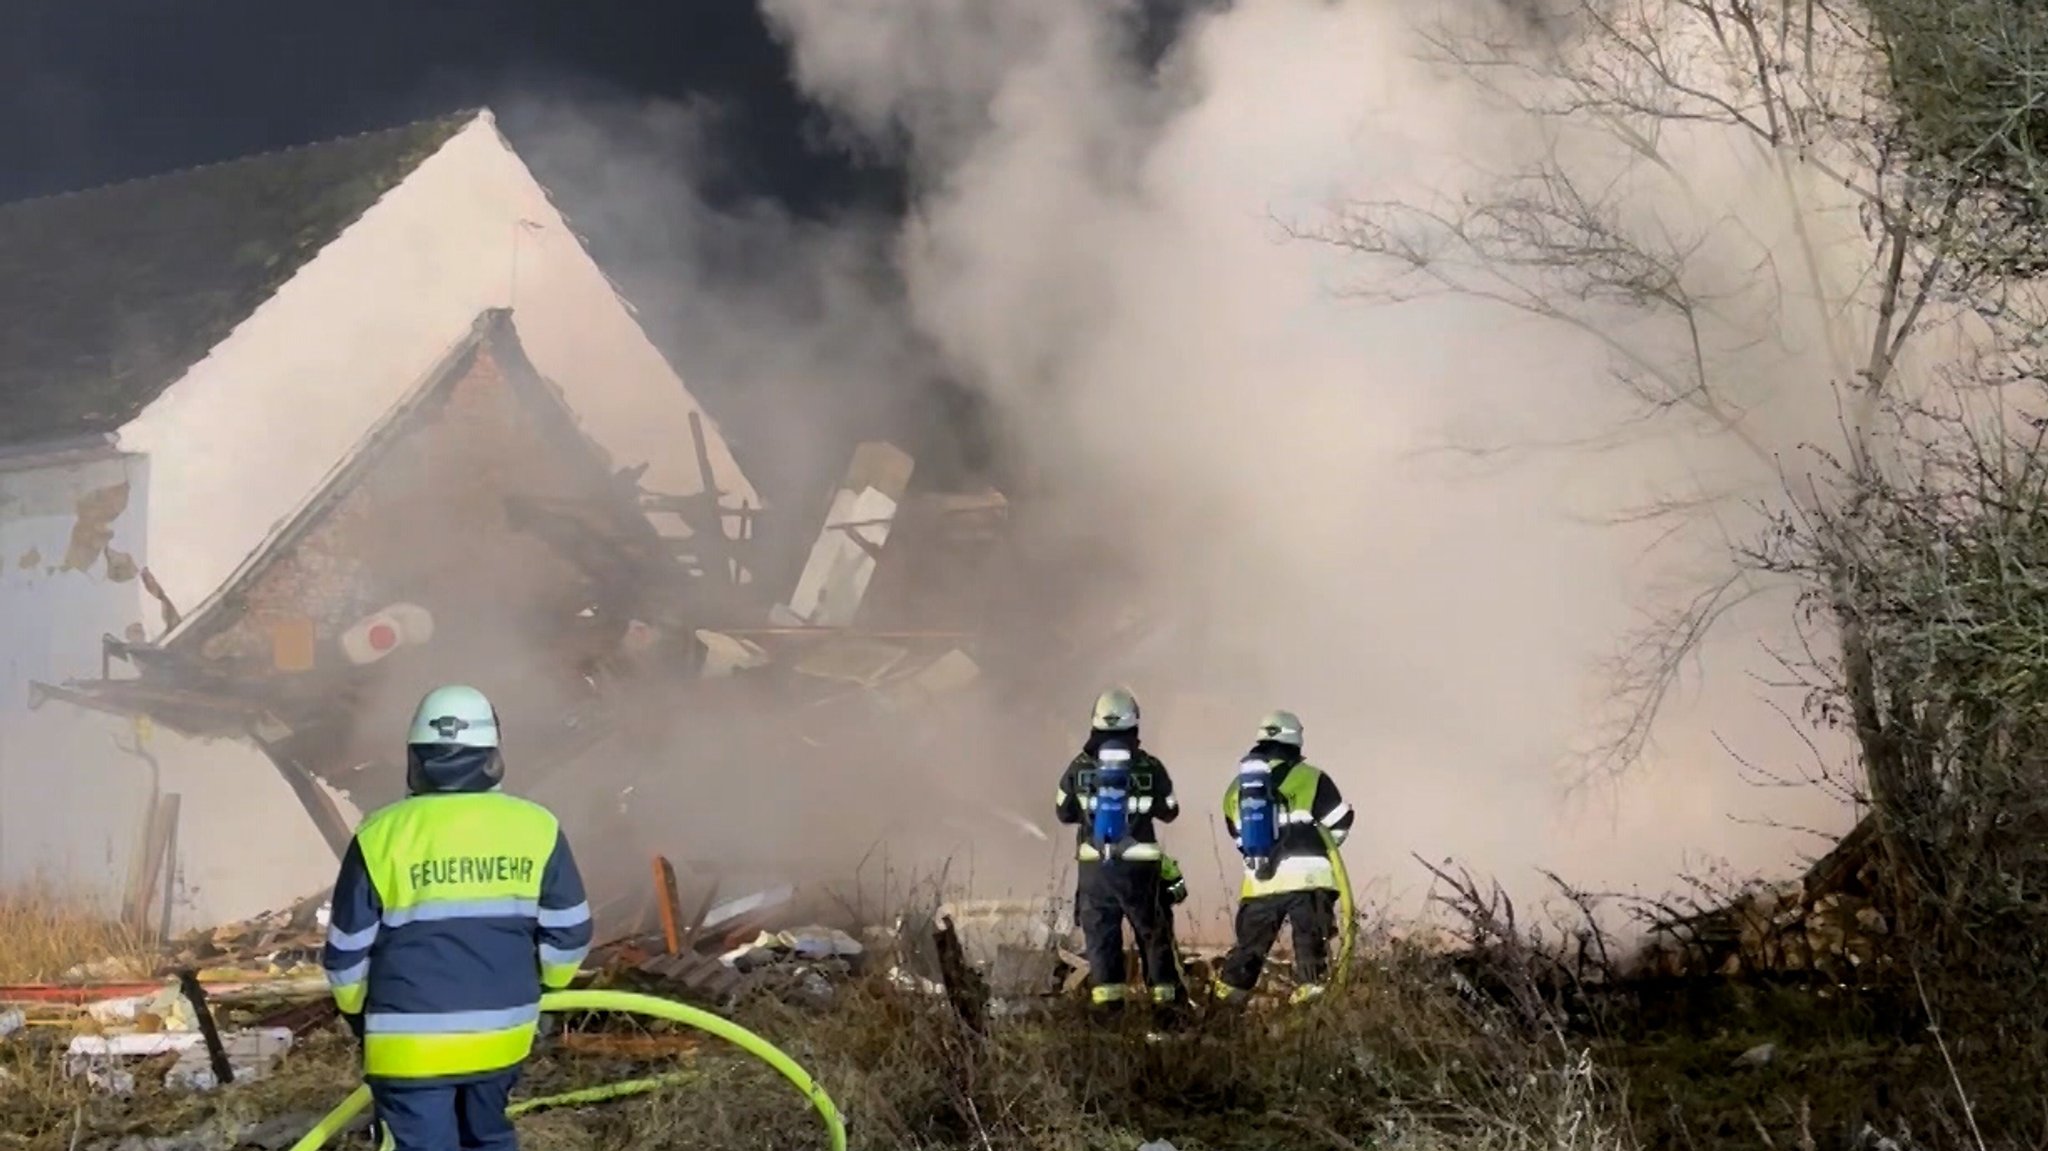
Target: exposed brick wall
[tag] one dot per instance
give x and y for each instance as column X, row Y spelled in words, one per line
column 427, row 525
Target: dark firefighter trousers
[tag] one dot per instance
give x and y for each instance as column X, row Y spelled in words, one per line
column 1312, row 915
column 465, row 1116
column 1111, row 894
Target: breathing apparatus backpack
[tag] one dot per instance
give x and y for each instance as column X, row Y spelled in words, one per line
column 1109, row 795
column 1258, row 817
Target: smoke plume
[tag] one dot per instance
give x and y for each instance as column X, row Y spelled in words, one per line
column 1098, row 245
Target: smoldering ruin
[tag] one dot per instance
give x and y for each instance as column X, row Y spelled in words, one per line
column 859, row 685
column 294, row 595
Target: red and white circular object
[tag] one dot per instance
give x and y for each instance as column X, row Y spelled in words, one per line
column 379, row 634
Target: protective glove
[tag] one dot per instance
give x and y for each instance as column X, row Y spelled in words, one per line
column 355, row 1026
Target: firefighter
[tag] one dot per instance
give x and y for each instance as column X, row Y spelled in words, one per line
column 1116, row 792
column 1278, row 810
column 454, row 908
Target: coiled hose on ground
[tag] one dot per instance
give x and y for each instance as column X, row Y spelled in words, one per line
column 648, row 1005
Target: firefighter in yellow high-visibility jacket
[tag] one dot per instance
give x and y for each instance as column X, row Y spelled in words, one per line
column 454, row 909
column 1279, row 809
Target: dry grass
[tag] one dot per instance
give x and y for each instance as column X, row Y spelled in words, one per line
column 44, row 1109
column 47, row 927
column 1399, row 1059
column 1405, row 1056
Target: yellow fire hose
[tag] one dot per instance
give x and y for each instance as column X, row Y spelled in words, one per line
column 1346, row 910
column 733, row 1033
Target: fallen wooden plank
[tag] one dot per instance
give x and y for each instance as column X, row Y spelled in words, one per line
column 216, row 1053
column 697, row 973
column 671, row 904
column 221, row 990
column 964, row 988
column 142, row 874
column 76, row 995
column 696, row 924
column 171, row 810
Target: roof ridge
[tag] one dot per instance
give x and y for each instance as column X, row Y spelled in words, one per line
column 463, row 115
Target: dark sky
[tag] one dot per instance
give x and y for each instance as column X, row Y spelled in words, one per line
column 93, row 91
column 97, row 91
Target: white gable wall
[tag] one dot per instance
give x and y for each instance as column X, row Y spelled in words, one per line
column 76, row 802
column 246, row 436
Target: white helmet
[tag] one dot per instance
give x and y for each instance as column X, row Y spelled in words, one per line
column 1281, row 727
column 453, row 743
column 455, row 715
column 1116, row 710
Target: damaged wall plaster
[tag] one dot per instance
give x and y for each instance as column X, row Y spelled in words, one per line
column 66, row 808
column 92, row 531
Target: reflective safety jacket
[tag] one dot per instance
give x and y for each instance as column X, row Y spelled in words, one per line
column 451, row 913
column 1151, row 800
column 1307, row 804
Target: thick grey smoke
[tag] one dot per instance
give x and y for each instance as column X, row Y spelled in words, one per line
column 1094, row 245
column 790, row 321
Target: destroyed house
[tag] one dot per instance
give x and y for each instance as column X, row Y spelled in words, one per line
column 430, row 556
column 287, row 439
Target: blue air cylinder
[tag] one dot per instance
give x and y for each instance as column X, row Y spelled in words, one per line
column 1112, row 799
column 1258, row 830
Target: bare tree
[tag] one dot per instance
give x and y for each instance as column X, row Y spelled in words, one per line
column 1706, row 312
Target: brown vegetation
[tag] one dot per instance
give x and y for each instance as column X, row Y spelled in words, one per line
column 1494, row 1044
column 46, row 928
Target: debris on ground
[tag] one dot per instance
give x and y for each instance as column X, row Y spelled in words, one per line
column 690, row 976
column 747, row 912
column 281, row 942
column 103, row 1060
column 166, row 1009
column 805, row 943
column 113, row 1034
column 250, row 1055
column 1828, row 922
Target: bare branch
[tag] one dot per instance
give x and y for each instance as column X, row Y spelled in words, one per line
column 1604, row 231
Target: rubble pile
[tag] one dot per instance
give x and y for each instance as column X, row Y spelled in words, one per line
column 1826, row 923
column 841, row 630
column 191, row 1035
column 276, row 943
column 223, row 1005
column 872, row 654
column 783, row 943
column 226, row 1005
